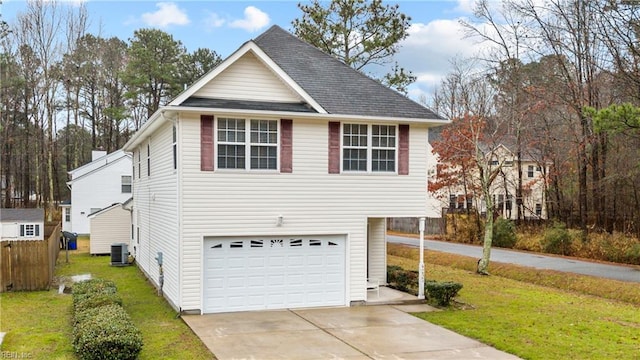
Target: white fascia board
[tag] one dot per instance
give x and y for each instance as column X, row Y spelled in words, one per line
column 97, row 163
column 305, row 115
column 154, row 122
column 249, row 46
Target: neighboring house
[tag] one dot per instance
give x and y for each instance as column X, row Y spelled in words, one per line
column 110, row 225
column 267, row 183
column 106, row 180
column 21, row 224
column 503, row 188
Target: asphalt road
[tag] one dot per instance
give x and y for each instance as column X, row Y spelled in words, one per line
column 616, row 272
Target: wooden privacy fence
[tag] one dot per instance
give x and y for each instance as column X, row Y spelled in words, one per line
column 29, row 265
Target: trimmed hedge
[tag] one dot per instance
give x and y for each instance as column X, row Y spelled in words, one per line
column 94, row 286
column 84, row 302
column 442, row 292
column 438, row 293
column 102, row 328
column 106, row 333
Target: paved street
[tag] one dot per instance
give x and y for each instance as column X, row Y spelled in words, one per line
column 616, row 272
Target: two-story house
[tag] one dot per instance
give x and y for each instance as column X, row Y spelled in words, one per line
column 267, row 183
column 106, row 180
column 465, row 193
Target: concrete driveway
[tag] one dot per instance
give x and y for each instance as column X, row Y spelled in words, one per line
column 361, row 332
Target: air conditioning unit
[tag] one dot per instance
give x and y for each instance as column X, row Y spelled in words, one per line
column 119, row 254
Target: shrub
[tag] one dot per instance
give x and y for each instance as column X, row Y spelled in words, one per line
column 557, row 240
column 401, row 279
column 441, row 293
column 94, row 286
column 504, row 233
column 106, row 332
column 632, row 256
column 438, row 293
column 463, row 229
column 83, row 302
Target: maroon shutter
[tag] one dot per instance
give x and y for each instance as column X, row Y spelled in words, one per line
column 403, row 149
column 286, row 146
column 206, row 142
column 334, row 147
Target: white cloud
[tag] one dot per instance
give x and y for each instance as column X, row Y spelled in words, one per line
column 465, row 6
column 213, row 20
column 254, row 20
column 429, row 50
column 168, row 13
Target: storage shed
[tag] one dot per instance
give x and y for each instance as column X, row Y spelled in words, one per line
column 107, row 226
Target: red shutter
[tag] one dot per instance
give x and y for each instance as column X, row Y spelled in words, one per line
column 206, row 142
column 286, row 146
column 334, row 147
column 403, row 149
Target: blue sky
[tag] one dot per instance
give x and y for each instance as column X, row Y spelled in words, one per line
column 435, row 35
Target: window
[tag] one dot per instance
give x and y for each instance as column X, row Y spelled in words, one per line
column 139, row 173
column 126, row 184
column 539, row 209
column 175, row 149
column 29, row 230
column 354, row 147
column 260, row 146
column 67, row 215
column 383, row 153
column 452, row 201
column 509, row 203
column 369, row 148
column 530, row 171
column 148, row 159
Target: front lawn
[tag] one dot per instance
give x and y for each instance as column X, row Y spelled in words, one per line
column 533, row 321
column 39, row 323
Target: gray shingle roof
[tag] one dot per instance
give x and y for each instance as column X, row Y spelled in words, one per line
column 246, row 105
column 338, row 88
column 22, row 215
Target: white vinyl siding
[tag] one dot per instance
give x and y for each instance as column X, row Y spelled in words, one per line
column 156, row 213
column 97, row 189
column 311, row 201
column 108, row 227
column 232, row 83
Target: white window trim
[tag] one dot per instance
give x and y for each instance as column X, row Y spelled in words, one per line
column 24, row 230
column 247, row 144
column 369, row 150
column 130, row 184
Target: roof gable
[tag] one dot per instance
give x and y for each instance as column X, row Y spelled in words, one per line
column 337, row 87
column 97, row 163
column 248, row 47
column 248, row 79
column 100, row 165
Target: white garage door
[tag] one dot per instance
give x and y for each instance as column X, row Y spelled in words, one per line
column 273, row 273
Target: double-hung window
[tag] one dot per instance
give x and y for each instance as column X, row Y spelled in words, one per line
column 369, row 148
column 247, row 144
column 126, row 184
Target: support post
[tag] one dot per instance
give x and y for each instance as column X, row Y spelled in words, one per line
column 421, row 266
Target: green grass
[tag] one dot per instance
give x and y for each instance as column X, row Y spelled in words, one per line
column 39, row 323
column 533, row 321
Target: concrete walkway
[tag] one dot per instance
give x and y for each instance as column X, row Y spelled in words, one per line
column 360, row 332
